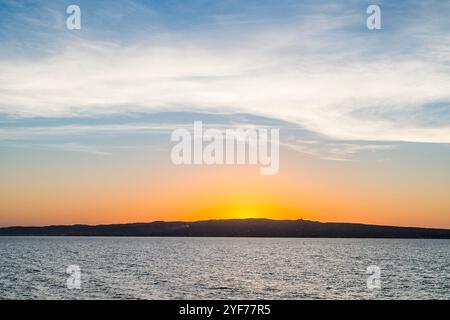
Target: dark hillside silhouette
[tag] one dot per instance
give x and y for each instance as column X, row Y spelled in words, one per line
column 233, row 228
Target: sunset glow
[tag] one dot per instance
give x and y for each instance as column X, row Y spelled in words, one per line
column 86, row 116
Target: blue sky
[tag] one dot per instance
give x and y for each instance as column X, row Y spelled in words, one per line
column 309, row 65
column 86, row 115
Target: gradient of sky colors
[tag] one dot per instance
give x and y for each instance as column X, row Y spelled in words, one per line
column 86, row 115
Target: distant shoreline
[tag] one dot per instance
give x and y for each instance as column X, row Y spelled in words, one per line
column 233, row 228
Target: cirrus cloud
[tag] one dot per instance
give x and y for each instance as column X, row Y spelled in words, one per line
column 311, row 71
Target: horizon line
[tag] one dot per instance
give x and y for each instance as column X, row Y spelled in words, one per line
column 206, row 220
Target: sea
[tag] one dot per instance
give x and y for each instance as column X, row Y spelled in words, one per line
column 223, row 268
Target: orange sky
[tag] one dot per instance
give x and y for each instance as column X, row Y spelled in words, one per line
column 86, row 114
column 85, row 189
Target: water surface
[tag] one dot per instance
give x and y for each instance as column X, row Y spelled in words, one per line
column 223, row 268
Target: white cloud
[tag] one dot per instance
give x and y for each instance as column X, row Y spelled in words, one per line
column 74, row 147
column 333, row 151
column 318, row 79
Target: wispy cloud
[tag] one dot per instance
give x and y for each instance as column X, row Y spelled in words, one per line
column 62, row 146
column 334, row 151
column 76, row 147
column 319, row 70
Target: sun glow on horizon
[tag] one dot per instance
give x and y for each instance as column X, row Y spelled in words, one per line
column 86, row 121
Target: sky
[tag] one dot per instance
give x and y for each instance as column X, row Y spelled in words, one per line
column 86, row 115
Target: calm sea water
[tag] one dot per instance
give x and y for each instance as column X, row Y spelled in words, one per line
column 223, row 268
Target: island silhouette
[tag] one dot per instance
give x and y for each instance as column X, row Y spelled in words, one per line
column 233, row 228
